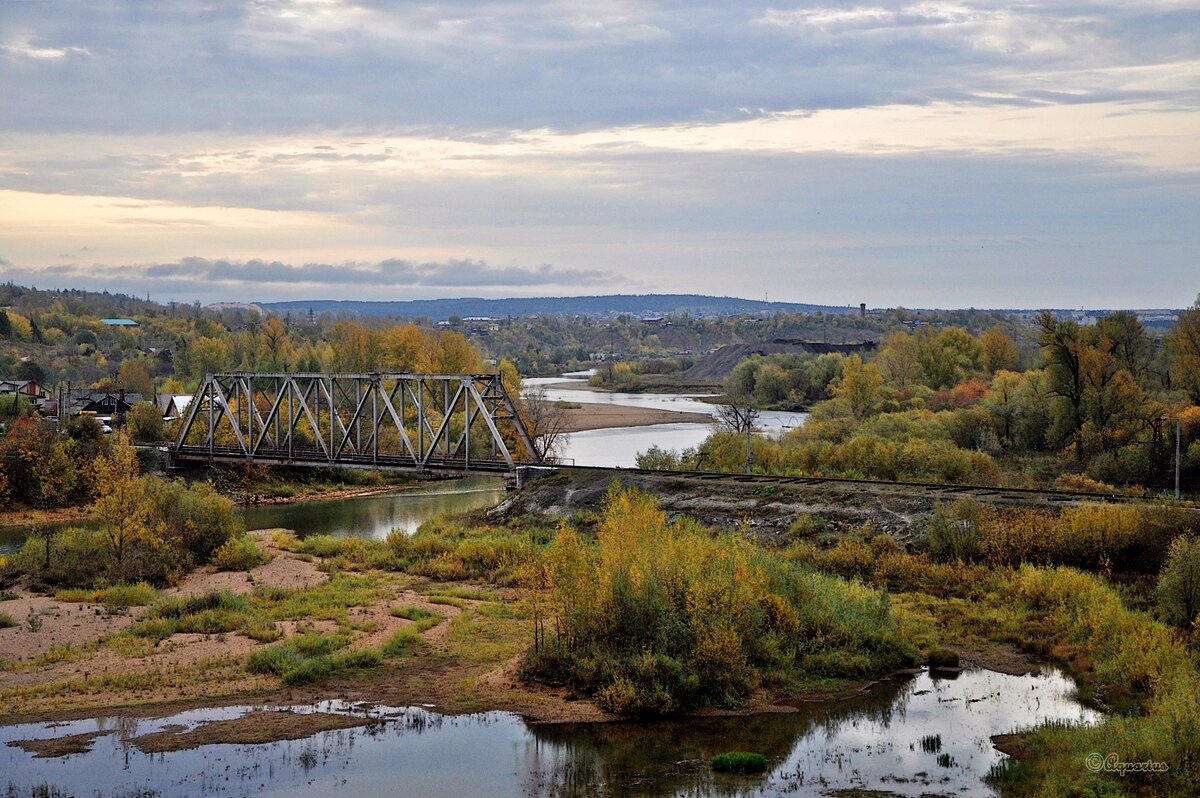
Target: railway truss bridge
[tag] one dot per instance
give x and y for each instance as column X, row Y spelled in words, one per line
column 451, row 423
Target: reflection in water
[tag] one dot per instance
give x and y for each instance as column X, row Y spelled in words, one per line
column 376, row 515
column 371, row 516
column 871, row 742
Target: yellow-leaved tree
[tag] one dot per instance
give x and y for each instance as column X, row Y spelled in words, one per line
column 128, row 529
column 861, row 386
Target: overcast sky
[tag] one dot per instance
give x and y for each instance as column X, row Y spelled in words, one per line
column 929, row 154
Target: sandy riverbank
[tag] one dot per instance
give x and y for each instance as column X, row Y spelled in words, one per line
column 592, row 415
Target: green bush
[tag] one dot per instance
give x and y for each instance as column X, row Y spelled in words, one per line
column 144, row 422
column 239, row 554
column 311, row 657
column 422, row 618
column 7, row 621
column 73, row 556
column 184, row 526
column 412, row 613
column 941, row 658
column 808, row 525
column 196, row 516
column 210, row 613
column 315, row 644
column 402, row 642
column 1178, row 590
column 739, row 762
column 323, row 545
column 951, row 539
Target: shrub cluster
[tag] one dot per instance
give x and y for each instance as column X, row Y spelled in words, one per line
column 146, row 529
column 239, row 553
column 1112, row 537
column 658, row 617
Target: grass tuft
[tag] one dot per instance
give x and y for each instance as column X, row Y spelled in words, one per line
column 311, row 657
column 239, row 554
column 739, row 762
column 403, row 641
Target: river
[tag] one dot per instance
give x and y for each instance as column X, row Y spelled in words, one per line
column 910, row 736
column 372, row 516
column 619, row 447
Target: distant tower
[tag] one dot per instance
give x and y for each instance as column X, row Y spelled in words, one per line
column 312, row 317
column 862, row 310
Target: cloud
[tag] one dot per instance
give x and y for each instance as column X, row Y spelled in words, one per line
column 24, row 47
column 466, row 68
column 390, row 273
column 364, row 145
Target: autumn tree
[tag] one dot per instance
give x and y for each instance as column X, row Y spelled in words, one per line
column 402, row 348
column 860, row 386
column 453, row 354
column 144, row 422
column 1183, row 351
column 1127, row 342
column 134, row 376
column 1001, row 401
column 898, row 360
column 1062, row 344
column 38, row 469
column 999, row 352
column 1112, row 398
column 205, row 355
column 274, row 344
column 125, row 516
column 355, row 348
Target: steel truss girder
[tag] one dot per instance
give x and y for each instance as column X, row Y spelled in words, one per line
column 344, row 415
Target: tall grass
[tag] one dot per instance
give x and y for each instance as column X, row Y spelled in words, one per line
column 115, row 597
column 311, row 657
column 239, row 553
column 1141, row 667
column 1108, row 537
column 659, row 616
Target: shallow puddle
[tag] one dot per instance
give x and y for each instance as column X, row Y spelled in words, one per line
column 910, row 737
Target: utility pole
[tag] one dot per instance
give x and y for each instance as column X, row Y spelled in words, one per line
column 1177, row 447
column 749, row 435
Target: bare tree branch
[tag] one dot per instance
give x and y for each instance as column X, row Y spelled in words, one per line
column 546, row 423
column 737, row 416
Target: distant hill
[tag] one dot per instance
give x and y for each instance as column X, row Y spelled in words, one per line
column 599, row 306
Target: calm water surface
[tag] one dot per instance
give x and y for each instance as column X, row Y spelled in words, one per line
column 620, row 447
column 872, row 742
column 376, row 515
column 371, row 516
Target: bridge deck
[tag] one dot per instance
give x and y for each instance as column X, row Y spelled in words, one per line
column 317, row 457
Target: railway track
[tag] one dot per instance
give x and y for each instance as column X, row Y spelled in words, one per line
column 936, row 491
column 986, row 493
